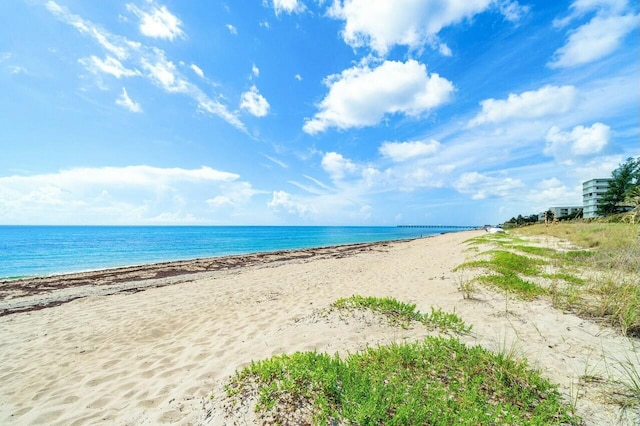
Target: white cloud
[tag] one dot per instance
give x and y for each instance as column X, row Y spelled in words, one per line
column 580, row 8
column 109, row 65
column 482, row 186
column 158, row 22
column 552, row 192
column 254, row 102
column 132, row 194
column 548, row 100
column 117, row 46
column 235, row 194
column 594, row 40
column 153, row 60
column 125, row 101
column 512, row 10
column 579, row 141
column 255, row 70
column 298, row 77
column 288, row 6
column 283, row 201
column 444, row 50
column 164, row 73
column 337, row 166
column 276, row 161
column 402, row 151
column 196, row 69
column 382, row 24
column 233, row 30
column 361, row 96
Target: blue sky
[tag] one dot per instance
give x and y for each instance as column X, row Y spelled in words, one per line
column 301, row 112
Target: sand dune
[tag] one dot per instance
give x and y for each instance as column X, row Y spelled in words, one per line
column 155, row 355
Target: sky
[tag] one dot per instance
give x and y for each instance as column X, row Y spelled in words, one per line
column 311, row 112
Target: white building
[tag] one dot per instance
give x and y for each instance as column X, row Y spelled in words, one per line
column 559, row 212
column 592, row 191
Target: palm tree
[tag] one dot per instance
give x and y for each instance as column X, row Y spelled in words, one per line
column 632, row 199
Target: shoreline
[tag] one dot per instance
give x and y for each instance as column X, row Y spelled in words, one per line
column 41, row 292
column 160, row 351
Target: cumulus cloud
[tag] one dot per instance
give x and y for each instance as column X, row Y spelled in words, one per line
column 613, row 20
column 579, row 141
column 282, row 201
column 125, row 101
column 402, row 151
column 337, row 166
column 382, row 24
column 548, row 100
column 288, row 6
column 235, row 194
column 158, row 22
column 132, row 194
column 109, row 65
column 253, row 102
column 361, row 96
column 255, row 70
column 481, row 186
column 552, row 192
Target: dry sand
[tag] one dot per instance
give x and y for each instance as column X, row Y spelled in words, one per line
column 150, row 345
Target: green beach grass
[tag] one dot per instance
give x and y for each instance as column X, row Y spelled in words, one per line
column 437, row 381
column 434, row 381
column 598, row 278
column 400, row 313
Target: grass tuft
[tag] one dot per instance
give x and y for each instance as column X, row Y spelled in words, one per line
column 400, row 313
column 437, row 381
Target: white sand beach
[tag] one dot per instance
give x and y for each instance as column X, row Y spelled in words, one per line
column 153, row 351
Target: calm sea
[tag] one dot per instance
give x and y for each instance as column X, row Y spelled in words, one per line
column 44, row 250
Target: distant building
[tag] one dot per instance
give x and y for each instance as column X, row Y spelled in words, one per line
column 565, row 211
column 592, row 192
column 559, row 212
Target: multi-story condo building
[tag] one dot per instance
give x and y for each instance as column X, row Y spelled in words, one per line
column 559, row 212
column 564, row 211
column 592, row 191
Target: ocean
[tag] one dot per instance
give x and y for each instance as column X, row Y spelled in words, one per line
column 27, row 251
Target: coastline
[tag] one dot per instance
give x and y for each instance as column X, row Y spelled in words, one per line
column 160, row 351
column 40, row 292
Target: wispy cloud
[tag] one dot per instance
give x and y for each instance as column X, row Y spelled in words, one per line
column 109, row 65
column 125, row 101
column 152, row 60
column 276, row 161
column 197, row 70
column 232, row 30
column 599, row 37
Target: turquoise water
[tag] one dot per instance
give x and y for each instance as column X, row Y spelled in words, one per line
column 45, row 250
